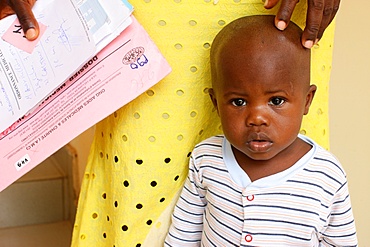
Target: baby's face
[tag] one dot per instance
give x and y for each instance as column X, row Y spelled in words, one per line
column 261, row 98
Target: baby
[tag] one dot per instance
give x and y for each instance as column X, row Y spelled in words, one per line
column 262, row 183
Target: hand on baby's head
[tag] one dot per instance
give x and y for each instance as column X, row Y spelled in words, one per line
column 319, row 15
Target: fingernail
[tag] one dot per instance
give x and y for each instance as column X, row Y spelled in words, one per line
column 265, row 2
column 316, row 41
column 31, row 34
column 308, row 44
column 281, row 25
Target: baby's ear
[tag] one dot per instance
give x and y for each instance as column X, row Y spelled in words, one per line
column 309, row 98
column 213, row 97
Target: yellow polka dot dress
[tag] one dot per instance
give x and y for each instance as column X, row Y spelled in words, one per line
column 139, row 156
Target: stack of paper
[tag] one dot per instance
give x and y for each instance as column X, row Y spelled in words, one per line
column 71, row 33
column 63, row 108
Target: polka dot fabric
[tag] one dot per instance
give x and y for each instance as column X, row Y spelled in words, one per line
column 139, row 156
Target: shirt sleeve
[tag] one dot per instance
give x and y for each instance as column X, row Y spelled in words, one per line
column 341, row 230
column 187, row 219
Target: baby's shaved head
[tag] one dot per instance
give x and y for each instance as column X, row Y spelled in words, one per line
column 255, row 41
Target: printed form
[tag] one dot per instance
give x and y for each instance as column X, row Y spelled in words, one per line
column 126, row 68
column 72, row 32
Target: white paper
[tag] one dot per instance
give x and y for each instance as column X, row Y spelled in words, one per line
column 76, row 31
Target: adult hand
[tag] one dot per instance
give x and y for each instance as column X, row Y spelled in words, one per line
column 23, row 10
column 320, row 13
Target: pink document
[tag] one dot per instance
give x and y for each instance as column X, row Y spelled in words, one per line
column 123, row 70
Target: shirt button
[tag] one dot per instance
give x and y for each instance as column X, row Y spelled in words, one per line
column 250, row 198
column 248, row 238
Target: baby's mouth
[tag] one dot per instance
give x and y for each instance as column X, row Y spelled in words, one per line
column 259, row 143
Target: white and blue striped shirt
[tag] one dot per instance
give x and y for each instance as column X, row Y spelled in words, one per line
column 305, row 205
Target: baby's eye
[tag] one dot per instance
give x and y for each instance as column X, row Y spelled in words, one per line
column 276, row 101
column 239, row 102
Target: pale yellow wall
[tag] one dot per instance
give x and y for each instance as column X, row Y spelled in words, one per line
column 349, row 106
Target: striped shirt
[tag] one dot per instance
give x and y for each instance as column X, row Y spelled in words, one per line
column 306, row 205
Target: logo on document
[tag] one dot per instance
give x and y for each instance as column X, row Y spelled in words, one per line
column 135, row 58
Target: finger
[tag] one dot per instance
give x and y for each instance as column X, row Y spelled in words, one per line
column 315, row 12
column 335, row 9
column 284, row 13
column 327, row 17
column 23, row 9
column 268, row 4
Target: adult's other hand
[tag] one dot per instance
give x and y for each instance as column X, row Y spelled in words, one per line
column 320, row 13
column 23, row 10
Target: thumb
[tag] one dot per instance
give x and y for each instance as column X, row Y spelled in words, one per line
column 23, row 10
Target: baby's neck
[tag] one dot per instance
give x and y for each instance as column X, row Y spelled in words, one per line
column 257, row 169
